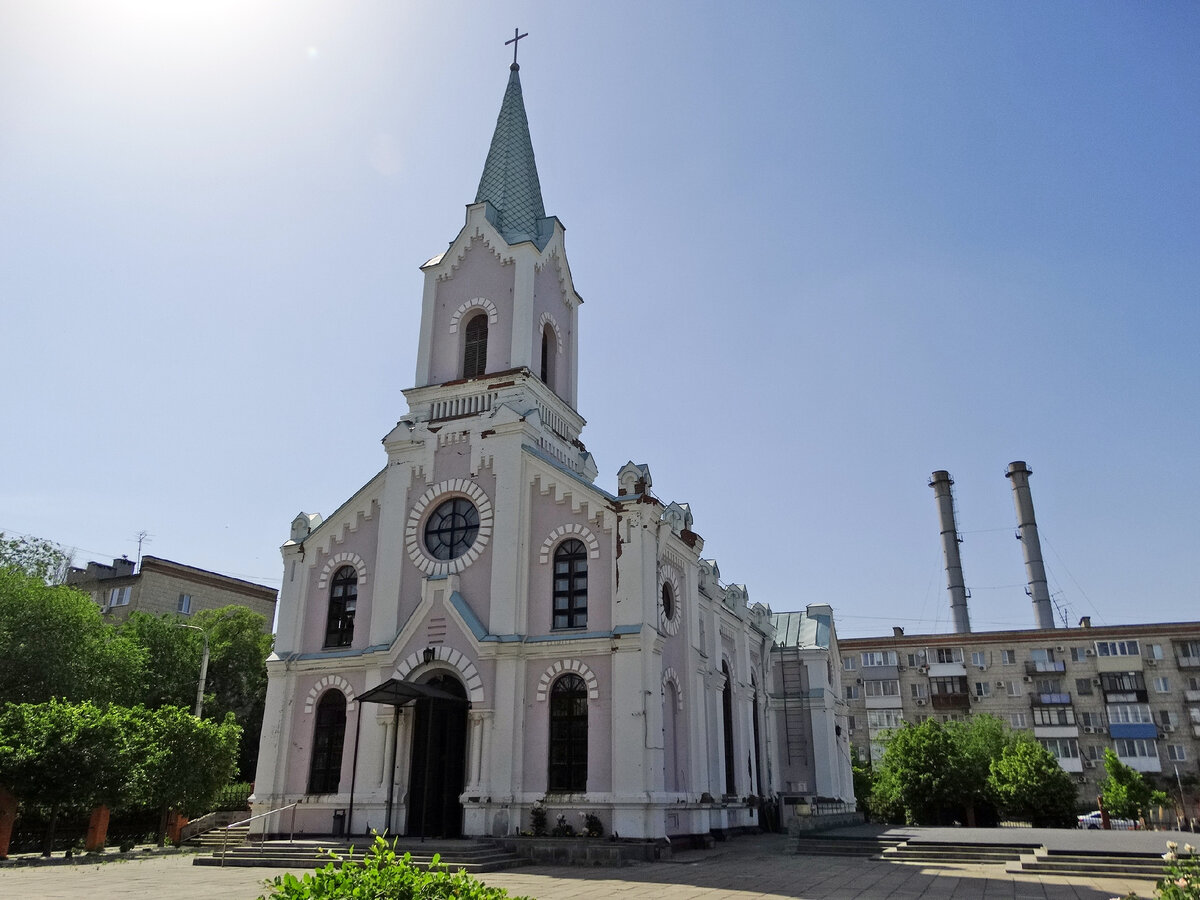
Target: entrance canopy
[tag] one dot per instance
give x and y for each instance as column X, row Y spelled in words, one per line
column 395, row 692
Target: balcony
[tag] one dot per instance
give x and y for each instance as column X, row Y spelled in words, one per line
column 1188, row 662
column 1196, row 731
column 951, row 701
column 1050, row 700
column 1126, row 697
column 1033, row 668
column 1191, row 696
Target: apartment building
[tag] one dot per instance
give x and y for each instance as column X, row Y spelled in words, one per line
column 1134, row 689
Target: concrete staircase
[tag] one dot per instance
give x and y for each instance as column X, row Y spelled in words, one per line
column 826, row 845
column 953, row 853
column 216, row 838
column 1148, row 866
column 474, row 856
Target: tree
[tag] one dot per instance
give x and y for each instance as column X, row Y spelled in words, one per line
column 36, row 556
column 1125, row 792
column 172, row 657
column 979, row 741
column 64, row 756
column 1029, row 784
column 184, row 761
column 54, row 643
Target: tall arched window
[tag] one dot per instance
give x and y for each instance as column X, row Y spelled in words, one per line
column 475, row 347
column 727, row 709
column 570, row 585
column 568, row 735
column 343, row 600
column 549, row 343
column 329, row 733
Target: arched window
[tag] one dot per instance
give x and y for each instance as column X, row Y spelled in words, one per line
column 568, row 735
column 668, row 601
column 475, row 347
column 727, row 710
column 549, row 342
column 343, row 600
column 570, row 585
column 325, row 767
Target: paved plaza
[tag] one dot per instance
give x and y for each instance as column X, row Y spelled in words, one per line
column 760, row 867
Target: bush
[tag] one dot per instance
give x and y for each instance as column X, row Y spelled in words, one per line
column 382, row 874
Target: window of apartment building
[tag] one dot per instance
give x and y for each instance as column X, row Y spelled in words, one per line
column 119, row 596
column 1129, row 714
column 921, row 718
column 917, row 659
column 849, row 663
column 983, row 689
column 1083, row 686
column 920, row 690
column 1062, row 748
column 953, row 717
column 879, row 658
column 1078, row 654
column 1013, row 688
column 1153, row 651
column 1162, row 684
column 1008, row 657
column 979, row 658
column 1091, row 720
column 1194, row 715
column 1117, row 648
column 1017, row 719
column 954, row 684
column 1093, row 752
column 1168, row 717
column 1123, row 681
column 1193, row 683
column 184, row 606
column 884, row 718
column 882, row 688
column 1189, row 650
column 1042, row 654
column 1135, row 747
column 1049, row 685
column 949, row 654
column 852, row 692
column 1053, row 715
column 850, row 722
column 1176, row 753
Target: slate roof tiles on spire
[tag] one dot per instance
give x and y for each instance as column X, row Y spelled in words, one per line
column 510, row 179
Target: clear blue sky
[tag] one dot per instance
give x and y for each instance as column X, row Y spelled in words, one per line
column 825, row 249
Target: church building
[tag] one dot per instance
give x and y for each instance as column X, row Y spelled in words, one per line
column 482, row 628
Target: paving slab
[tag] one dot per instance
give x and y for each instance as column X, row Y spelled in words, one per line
column 759, row 867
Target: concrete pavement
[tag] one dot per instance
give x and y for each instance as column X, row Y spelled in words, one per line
column 749, row 868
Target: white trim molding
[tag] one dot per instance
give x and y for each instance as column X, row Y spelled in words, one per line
column 474, row 303
column 445, row 490
column 579, row 667
column 336, row 682
column 582, row 532
column 548, row 319
column 338, row 560
column 449, row 658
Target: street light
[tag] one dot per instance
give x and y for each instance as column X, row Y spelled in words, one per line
column 203, row 667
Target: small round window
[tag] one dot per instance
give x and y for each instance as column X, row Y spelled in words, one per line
column 451, row 529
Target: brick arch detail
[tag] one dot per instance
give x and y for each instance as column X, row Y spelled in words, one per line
column 449, row 658
column 474, row 303
column 338, row 560
column 562, row 666
column 548, row 319
column 669, row 676
column 582, row 532
column 328, row 682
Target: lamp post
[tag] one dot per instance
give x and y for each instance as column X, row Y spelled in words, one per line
column 203, row 668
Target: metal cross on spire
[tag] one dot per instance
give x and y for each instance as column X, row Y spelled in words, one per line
column 516, row 37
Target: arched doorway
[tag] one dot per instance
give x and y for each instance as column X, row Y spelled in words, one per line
column 439, row 762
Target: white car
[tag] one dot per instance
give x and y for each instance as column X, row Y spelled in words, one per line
column 1093, row 820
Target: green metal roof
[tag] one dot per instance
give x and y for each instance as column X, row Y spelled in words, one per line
column 801, row 631
column 510, row 180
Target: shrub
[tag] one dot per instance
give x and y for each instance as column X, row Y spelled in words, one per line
column 537, row 819
column 380, row 873
column 593, row 826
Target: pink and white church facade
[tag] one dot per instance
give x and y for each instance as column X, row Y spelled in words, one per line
column 565, row 644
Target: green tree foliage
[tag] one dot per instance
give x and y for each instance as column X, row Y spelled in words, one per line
column 1126, row 793
column 381, row 873
column 54, row 643
column 40, row 558
column 64, row 756
column 1028, row 784
column 864, row 782
column 172, row 659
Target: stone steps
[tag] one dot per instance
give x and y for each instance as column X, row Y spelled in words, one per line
column 474, row 857
column 831, row 846
column 955, row 853
column 1148, row 866
column 217, row 837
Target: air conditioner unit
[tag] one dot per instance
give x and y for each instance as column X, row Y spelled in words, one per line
column 983, row 668
column 1089, row 764
column 901, row 668
column 924, row 670
column 1082, row 779
column 1060, row 649
column 1001, row 684
column 858, row 681
column 1152, row 662
column 1095, row 682
column 1169, row 729
column 1028, row 679
column 921, row 701
column 1089, row 652
column 1089, row 729
column 1161, row 735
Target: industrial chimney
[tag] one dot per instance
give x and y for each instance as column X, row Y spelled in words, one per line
column 941, row 481
column 1027, row 534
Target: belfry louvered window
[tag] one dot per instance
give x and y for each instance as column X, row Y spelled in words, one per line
column 475, row 347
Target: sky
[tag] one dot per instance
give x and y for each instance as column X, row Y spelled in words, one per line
column 824, row 249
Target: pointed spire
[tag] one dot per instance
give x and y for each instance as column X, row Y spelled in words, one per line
column 510, row 179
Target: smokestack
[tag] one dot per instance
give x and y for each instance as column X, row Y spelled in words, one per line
column 1027, row 534
column 941, row 481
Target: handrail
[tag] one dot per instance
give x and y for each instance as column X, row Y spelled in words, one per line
column 263, row 839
